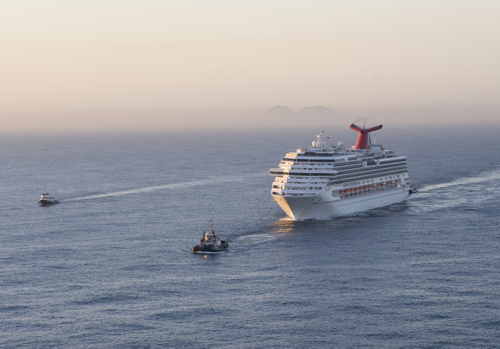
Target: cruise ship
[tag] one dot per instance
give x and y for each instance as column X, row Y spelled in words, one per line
column 330, row 181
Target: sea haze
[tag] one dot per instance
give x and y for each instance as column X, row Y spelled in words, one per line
column 111, row 266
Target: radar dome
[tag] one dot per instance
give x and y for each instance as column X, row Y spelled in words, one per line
column 341, row 144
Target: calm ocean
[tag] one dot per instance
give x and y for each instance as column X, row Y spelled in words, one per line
column 111, row 266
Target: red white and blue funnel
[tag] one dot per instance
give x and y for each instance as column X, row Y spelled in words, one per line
column 363, row 141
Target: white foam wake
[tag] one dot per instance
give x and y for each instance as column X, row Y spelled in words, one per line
column 163, row 187
column 485, row 177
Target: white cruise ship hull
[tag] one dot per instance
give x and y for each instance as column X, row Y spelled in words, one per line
column 317, row 206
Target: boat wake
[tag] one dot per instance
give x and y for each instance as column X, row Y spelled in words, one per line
column 486, row 177
column 165, row 187
column 255, row 239
column 468, row 192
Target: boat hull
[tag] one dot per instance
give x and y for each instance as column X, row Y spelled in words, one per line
column 47, row 203
column 317, row 206
column 208, row 249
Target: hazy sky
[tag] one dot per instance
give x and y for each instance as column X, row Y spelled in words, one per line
column 94, row 62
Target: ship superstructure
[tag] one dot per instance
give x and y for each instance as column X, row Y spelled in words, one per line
column 330, row 181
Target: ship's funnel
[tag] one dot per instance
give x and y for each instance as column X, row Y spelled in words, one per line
column 363, row 142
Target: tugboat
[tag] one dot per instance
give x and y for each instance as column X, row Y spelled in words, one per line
column 46, row 199
column 210, row 243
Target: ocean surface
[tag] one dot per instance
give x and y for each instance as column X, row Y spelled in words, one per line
column 111, row 265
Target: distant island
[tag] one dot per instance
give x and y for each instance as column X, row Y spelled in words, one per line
column 318, row 116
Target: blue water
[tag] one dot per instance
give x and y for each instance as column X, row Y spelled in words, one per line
column 111, row 267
